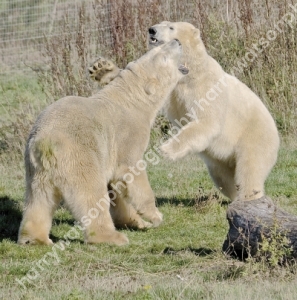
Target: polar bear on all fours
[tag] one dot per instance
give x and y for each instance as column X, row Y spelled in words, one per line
column 224, row 122
column 78, row 146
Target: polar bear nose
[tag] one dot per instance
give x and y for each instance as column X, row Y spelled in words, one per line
column 152, row 31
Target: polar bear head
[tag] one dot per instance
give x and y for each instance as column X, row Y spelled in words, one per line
column 186, row 33
column 162, row 64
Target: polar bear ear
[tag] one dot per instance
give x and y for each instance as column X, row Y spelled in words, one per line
column 150, row 87
column 196, row 33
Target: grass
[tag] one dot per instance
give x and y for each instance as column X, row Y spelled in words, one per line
column 18, row 91
column 117, row 30
column 181, row 259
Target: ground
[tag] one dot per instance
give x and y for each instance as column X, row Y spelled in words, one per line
column 181, row 259
column 165, row 263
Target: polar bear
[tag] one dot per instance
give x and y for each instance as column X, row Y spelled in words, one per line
column 80, row 146
column 218, row 117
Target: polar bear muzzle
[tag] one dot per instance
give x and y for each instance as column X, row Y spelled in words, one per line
column 153, row 41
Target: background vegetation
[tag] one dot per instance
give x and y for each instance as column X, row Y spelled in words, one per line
column 182, row 259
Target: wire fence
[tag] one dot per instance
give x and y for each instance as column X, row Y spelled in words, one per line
column 24, row 24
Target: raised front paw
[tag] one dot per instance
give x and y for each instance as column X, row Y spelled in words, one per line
column 103, row 71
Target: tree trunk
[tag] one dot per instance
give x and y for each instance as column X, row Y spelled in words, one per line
column 250, row 222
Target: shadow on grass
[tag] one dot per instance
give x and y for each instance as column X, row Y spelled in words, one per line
column 10, row 218
column 197, row 251
column 202, row 200
column 56, row 239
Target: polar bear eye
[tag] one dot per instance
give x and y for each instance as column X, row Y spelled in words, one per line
column 171, row 28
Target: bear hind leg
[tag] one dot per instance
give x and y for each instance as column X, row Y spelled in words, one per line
column 90, row 206
column 41, row 202
column 250, row 174
column 223, row 177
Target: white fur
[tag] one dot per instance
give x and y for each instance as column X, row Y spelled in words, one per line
column 78, row 146
column 235, row 134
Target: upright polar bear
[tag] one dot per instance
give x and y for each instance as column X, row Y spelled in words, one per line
column 78, row 146
column 223, row 120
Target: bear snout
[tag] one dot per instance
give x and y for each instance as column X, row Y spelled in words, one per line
column 152, row 30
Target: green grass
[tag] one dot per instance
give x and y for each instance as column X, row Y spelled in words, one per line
column 17, row 91
column 181, row 259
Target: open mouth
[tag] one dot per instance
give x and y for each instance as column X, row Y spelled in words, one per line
column 155, row 42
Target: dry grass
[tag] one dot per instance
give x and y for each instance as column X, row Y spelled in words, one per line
column 229, row 32
column 182, row 259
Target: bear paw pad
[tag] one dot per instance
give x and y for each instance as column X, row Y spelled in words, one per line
column 100, row 67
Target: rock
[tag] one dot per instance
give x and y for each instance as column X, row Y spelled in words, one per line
column 250, row 221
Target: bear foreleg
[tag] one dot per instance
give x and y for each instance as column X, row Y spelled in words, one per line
column 142, row 198
column 193, row 137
